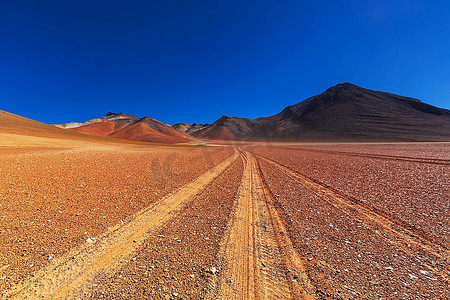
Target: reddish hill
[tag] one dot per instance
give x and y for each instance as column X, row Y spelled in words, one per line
column 14, row 124
column 100, row 128
column 127, row 127
column 17, row 130
column 141, row 131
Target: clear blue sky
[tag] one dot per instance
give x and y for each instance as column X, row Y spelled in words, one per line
column 192, row 61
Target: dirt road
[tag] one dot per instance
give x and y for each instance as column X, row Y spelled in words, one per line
column 262, row 263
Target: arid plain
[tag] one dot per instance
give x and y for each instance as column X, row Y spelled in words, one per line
column 84, row 216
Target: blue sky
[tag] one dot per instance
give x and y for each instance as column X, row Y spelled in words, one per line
column 192, row 61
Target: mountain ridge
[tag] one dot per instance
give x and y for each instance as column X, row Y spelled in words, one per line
column 128, row 127
column 342, row 113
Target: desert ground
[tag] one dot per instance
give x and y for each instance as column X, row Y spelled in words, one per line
column 102, row 218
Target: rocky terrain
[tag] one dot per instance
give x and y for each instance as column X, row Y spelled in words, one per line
column 366, row 233
column 53, row 200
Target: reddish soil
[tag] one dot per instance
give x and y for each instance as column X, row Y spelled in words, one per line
column 288, row 221
column 177, row 259
column 415, row 193
column 356, row 257
column 100, row 128
column 143, row 132
column 53, row 200
column 374, row 226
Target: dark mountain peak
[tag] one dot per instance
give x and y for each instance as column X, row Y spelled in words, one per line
column 222, row 119
column 150, row 121
column 112, row 115
column 345, row 87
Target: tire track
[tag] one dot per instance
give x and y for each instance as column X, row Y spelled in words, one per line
column 257, row 248
column 402, row 234
column 434, row 161
column 67, row 274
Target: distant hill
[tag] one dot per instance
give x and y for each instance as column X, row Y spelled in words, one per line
column 189, row 128
column 128, row 127
column 17, row 130
column 343, row 113
column 18, row 125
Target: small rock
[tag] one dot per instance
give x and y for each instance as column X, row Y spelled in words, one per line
column 424, row 272
column 91, row 240
column 213, row 270
column 50, row 258
column 192, row 275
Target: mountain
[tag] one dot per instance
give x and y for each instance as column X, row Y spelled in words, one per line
column 343, row 113
column 228, row 128
column 128, row 127
column 189, row 128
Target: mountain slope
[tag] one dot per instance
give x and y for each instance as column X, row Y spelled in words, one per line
column 344, row 112
column 228, row 128
column 128, row 127
column 17, row 130
column 189, row 128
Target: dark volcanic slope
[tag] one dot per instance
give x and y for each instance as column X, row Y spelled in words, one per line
column 228, row 128
column 344, row 112
column 189, row 128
